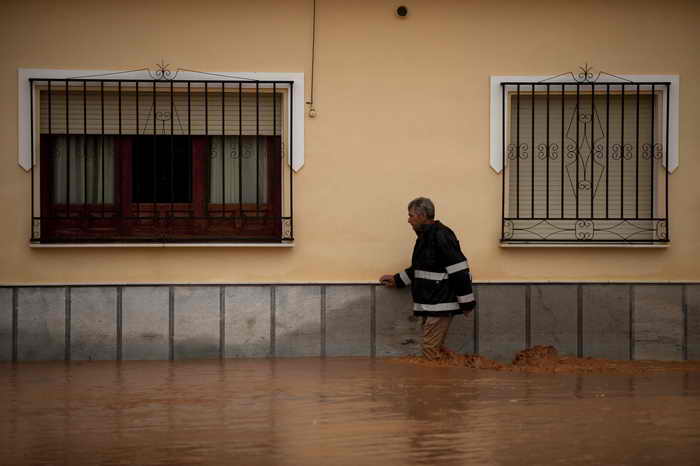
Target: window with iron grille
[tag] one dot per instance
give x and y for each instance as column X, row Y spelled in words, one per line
column 585, row 161
column 161, row 160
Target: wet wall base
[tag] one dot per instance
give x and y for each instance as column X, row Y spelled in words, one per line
column 160, row 322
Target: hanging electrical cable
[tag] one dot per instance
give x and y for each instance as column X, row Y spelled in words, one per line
column 310, row 103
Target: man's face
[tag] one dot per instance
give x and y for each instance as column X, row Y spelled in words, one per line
column 416, row 219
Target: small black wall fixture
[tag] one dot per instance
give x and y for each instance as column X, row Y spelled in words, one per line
column 401, row 11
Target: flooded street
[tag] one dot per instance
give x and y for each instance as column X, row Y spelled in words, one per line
column 340, row 412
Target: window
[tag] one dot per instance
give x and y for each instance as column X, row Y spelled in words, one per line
column 584, row 162
column 157, row 160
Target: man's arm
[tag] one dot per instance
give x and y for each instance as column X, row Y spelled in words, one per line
column 399, row 280
column 404, row 279
column 457, row 268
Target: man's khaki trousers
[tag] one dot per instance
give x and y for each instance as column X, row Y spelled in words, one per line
column 434, row 333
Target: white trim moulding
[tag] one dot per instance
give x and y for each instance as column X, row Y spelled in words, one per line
column 582, row 244
column 162, row 245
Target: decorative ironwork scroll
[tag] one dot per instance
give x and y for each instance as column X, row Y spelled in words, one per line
column 581, row 230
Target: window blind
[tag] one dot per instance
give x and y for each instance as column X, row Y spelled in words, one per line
column 91, row 111
column 616, row 163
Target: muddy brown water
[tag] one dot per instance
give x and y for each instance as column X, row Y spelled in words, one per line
column 340, row 412
column 546, row 359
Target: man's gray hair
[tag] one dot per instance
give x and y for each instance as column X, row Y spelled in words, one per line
column 423, row 205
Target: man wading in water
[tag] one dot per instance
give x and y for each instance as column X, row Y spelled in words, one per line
column 439, row 277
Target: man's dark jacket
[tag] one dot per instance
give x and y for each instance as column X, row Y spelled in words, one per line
column 439, row 274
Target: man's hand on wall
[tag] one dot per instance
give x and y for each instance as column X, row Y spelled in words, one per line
column 388, row 281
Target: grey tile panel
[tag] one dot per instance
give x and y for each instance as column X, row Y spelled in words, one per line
column 348, row 320
column 6, row 324
column 41, row 324
column 606, row 321
column 398, row 332
column 145, row 321
column 554, row 317
column 501, row 321
column 247, row 321
column 692, row 294
column 297, row 320
column 658, row 322
column 662, row 328
column 93, row 332
column 197, row 320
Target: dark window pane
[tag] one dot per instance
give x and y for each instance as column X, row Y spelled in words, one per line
column 167, row 178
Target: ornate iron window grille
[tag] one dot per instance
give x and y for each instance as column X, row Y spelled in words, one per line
column 583, row 160
column 87, row 189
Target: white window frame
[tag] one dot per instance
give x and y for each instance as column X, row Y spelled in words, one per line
column 497, row 136
column 28, row 136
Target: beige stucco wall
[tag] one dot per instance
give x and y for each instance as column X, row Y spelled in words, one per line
column 403, row 110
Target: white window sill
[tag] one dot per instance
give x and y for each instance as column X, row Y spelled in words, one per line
column 288, row 244
column 536, row 244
